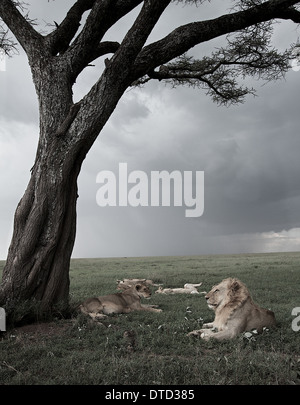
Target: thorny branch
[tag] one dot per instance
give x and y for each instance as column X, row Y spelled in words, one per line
column 248, row 54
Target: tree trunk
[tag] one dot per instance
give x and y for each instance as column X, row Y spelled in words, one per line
column 37, row 266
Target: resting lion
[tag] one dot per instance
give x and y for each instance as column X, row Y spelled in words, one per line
column 235, row 312
column 119, row 303
column 129, row 282
column 188, row 288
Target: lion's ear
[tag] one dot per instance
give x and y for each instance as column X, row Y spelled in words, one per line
column 138, row 287
column 235, row 286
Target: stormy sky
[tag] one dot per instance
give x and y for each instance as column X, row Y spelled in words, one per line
column 249, row 154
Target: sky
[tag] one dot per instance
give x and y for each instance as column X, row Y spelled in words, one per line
column 249, row 154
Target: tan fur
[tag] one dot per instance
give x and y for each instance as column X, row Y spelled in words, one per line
column 235, row 312
column 119, row 303
column 187, row 289
column 129, row 282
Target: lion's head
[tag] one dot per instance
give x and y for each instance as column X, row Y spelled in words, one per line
column 230, row 291
column 143, row 290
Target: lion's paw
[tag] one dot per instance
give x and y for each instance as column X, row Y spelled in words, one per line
column 194, row 333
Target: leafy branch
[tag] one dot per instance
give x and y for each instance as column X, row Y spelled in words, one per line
column 248, row 53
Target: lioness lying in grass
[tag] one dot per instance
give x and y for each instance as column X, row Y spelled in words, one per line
column 119, row 303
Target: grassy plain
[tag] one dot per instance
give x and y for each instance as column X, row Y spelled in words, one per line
column 76, row 351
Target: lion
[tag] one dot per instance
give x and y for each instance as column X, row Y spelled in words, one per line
column 235, row 312
column 129, row 282
column 188, row 288
column 118, row 303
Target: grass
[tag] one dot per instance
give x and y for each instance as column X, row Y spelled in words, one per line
column 76, row 351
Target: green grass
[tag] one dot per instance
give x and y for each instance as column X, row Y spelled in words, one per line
column 76, row 351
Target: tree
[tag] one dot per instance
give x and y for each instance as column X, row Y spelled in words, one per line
column 37, row 266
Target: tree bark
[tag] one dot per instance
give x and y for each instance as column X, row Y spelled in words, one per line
column 44, row 231
column 38, row 260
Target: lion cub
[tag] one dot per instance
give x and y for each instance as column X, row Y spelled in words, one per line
column 118, row 303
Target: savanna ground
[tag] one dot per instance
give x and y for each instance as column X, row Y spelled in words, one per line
column 144, row 348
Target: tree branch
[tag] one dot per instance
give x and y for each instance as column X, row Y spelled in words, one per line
column 7, row 45
column 61, row 37
column 187, row 36
column 217, row 74
column 141, row 29
column 104, row 14
column 19, row 26
column 118, row 73
column 104, row 48
column 291, row 14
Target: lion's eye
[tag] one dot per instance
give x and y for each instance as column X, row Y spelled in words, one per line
column 216, row 290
